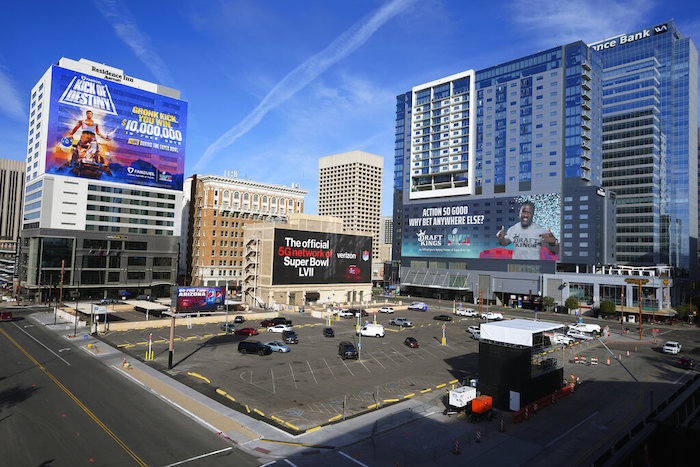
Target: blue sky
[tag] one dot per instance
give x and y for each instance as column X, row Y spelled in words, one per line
column 274, row 85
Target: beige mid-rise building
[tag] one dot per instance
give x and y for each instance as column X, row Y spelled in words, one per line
column 350, row 187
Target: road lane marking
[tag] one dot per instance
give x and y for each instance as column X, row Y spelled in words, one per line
column 213, row 453
column 41, row 344
column 563, row 435
column 352, row 459
column 272, row 375
column 78, row 402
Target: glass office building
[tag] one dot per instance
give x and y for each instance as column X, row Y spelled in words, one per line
column 649, row 144
column 472, row 149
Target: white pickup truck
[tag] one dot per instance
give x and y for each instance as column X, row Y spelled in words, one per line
column 492, row 315
column 466, row 312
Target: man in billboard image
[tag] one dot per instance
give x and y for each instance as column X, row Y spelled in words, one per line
column 527, row 237
column 87, row 156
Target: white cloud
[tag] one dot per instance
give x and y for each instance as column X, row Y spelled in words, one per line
column 11, row 104
column 549, row 22
column 308, row 71
column 138, row 42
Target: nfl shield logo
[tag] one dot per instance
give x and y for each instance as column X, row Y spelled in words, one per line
column 365, row 255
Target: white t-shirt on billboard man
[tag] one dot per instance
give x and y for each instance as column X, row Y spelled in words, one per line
column 526, row 236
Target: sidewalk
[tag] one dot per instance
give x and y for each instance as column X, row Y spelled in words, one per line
column 251, row 435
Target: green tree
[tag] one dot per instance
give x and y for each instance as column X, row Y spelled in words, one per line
column 548, row 303
column 608, row 308
column 571, row 303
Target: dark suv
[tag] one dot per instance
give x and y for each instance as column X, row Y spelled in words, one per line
column 290, row 337
column 281, row 320
column 347, row 350
column 254, row 347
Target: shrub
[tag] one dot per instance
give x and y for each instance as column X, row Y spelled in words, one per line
column 607, row 307
column 571, row 303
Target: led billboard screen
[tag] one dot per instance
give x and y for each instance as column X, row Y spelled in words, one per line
column 522, row 228
column 302, row 257
column 103, row 130
column 199, row 299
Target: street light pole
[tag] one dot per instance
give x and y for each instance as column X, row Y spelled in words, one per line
column 77, row 297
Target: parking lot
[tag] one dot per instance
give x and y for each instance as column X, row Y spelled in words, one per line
column 311, row 385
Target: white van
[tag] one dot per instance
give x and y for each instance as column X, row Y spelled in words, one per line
column 371, row 330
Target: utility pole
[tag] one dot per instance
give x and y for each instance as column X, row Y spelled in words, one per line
column 639, row 283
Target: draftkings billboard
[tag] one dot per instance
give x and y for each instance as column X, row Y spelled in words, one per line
column 103, row 130
column 199, row 299
column 303, row 257
column 522, row 228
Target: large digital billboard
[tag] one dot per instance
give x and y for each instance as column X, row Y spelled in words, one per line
column 103, row 130
column 199, row 299
column 303, row 257
column 523, row 228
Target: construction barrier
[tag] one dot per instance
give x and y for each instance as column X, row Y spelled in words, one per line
column 582, row 360
column 594, row 360
column 524, row 413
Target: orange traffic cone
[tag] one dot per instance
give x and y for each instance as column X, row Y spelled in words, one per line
column 125, row 364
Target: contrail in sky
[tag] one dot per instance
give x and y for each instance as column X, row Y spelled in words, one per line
column 305, row 73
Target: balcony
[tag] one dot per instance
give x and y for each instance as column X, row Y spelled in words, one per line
column 586, row 75
column 586, row 86
column 586, row 66
column 586, row 105
column 586, row 115
column 586, row 145
column 586, row 125
column 586, row 135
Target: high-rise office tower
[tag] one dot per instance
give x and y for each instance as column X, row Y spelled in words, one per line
column 350, row 187
column 11, row 190
column 478, row 149
column 650, row 82
column 103, row 189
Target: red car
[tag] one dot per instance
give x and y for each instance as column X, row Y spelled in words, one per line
column 6, row 316
column 411, row 342
column 246, row 332
column 266, row 323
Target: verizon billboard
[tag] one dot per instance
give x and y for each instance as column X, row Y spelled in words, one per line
column 303, row 257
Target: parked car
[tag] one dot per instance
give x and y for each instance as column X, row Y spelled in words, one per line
column 386, row 309
column 473, row 329
column 277, row 346
column 418, row 306
column 239, row 319
column 246, row 332
column 267, row 323
column 442, row 317
column 672, row 347
column 347, row 350
column 290, row 337
column 328, row 332
column 279, row 328
column 257, row 347
column 228, row 327
column 5, row 316
column 282, row 320
column 576, row 334
column 492, row 315
column 358, row 311
column 411, row 342
column 466, row 312
column 345, row 314
column 687, row 363
column 402, row 322
column 560, row 339
column 148, row 298
column 583, row 327
column 108, row 301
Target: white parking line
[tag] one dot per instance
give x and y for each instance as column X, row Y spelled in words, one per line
column 273, row 381
column 312, row 371
column 387, row 356
column 404, row 356
column 329, row 367
column 363, row 364
column 375, row 359
column 293, row 378
column 346, row 366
